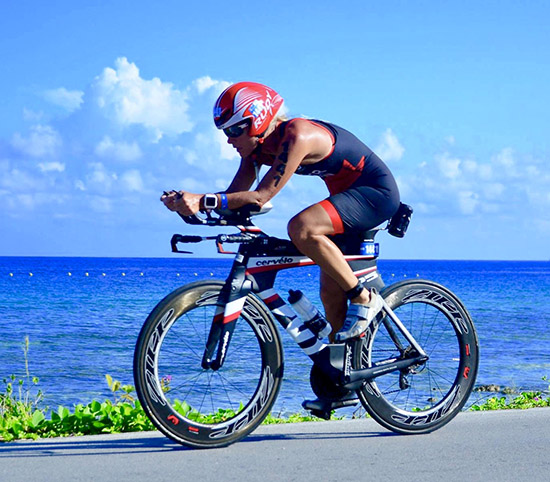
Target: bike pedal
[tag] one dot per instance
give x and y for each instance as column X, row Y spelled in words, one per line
column 318, row 408
column 323, row 408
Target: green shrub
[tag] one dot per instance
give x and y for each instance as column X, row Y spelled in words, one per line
column 522, row 401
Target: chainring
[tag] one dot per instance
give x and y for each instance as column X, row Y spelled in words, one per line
column 324, row 387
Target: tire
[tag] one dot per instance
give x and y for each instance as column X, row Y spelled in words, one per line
column 206, row 408
column 437, row 389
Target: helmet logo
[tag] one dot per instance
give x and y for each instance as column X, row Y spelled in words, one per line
column 257, row 108
column 260, row 109
column 217, row 111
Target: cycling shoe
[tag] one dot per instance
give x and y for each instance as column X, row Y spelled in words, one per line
column 359, row 317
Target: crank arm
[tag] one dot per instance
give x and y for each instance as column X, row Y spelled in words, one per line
column 357, row 377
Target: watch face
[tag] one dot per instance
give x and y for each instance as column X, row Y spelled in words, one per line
column 210, row 201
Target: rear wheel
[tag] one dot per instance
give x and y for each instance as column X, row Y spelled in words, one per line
column 206, row 408
column 421, row 398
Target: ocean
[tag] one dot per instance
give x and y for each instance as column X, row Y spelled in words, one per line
column 82, row 317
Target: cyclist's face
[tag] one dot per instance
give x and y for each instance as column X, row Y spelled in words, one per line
column 244, row 144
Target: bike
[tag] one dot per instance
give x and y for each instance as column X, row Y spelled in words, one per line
column 208, row 362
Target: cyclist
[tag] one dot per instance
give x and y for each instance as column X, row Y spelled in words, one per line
column 363, row 192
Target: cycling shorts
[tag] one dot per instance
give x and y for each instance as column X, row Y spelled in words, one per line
column 360, row 208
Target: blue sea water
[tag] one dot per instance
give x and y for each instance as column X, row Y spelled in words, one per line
column 82, row 317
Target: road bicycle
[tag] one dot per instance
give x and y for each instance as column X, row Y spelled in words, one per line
column 208, row 362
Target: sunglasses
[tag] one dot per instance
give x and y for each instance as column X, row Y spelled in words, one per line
column 236, row 130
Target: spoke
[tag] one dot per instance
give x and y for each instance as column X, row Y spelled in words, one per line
column 193, row 381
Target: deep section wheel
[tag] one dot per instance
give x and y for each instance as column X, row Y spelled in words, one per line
column 424, row 397
column 206, row 408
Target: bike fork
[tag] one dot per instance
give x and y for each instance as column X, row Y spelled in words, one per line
column 229, row 306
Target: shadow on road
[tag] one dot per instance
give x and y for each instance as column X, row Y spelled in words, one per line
column 84, row 446
column 319, row 435
column 145, row 443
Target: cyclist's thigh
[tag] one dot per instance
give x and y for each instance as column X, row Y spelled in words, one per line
column 313, row 220
column 364, row 207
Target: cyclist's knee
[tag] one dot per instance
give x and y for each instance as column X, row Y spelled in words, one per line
column 298, row 230
column 306, row 227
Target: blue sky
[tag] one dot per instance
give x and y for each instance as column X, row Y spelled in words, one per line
column 104, row 107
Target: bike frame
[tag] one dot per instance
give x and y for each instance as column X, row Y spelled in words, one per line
column 258, row 261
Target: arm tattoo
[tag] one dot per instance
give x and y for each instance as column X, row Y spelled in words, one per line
column 283, row 158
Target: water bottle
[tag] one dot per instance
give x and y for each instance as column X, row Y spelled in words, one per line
column 313, row 319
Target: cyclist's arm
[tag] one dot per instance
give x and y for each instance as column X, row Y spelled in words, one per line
column 296, row 146
column 244, row 178
column 188, row 203
column 301, row 141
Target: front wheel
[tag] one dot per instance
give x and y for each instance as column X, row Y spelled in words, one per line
column 424, row 397
column 206, row 408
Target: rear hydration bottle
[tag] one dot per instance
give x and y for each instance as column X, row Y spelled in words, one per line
column 400, row 221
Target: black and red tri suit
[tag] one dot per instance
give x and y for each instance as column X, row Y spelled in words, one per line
column 363, row 191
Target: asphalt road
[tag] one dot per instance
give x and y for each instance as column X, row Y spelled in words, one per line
column 484, row 446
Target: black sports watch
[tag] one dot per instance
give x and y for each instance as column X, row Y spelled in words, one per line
column 210, row 201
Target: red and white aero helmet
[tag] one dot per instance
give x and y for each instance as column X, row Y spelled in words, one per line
column 247, row 100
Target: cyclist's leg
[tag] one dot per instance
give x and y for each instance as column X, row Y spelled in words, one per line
column 357, row 209
column 334, row 301
column 333, row 297
column 309, row 231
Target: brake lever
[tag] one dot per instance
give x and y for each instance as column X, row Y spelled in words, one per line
column 177, row 238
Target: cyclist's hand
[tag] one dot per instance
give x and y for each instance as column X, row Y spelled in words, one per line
column 185, row 203
column 169, row 198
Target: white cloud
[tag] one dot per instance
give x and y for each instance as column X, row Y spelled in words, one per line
column 129, row 99
column 503, row 185
column 505, row 158
column 132, row 181
column 32, row 116
column 51, row 166
column 494, row 190
column 43, row 141
column 25, row 200
column 389, row 149
column 15, row 181
column 449, row 166
column 122, row 151
column 205, row 83
column 70, row 100
column 100, row 179
column 468, row 202
column 101, row 204
column 83, row 155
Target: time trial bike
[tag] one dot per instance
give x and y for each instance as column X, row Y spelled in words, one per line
column 208, row 362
